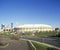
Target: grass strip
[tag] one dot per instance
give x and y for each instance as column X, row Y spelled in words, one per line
column 42, row 47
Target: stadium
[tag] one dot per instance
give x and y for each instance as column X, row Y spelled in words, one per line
column 33, row 28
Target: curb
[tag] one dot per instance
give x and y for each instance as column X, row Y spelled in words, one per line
column 41, row 43
column 32, row 45
column 47, row 45
column 4, row 46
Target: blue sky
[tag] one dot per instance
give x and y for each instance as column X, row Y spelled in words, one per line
column 30, row 12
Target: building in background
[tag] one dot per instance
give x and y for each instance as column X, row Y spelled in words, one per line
column 11, row 25
column 2, row 26
column 6, row 28
column 33, row 28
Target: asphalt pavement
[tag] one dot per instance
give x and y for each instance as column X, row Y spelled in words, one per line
column 16, row 45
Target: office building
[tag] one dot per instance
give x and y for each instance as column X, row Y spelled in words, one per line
column 11, row 25
column 2, row 26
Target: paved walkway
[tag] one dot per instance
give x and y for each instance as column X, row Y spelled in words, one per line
column 16, row 45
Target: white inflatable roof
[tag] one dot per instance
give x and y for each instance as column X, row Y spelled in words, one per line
column 33, row 25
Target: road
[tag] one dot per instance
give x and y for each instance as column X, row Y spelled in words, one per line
column 50, row 40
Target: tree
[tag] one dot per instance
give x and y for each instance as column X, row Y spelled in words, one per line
column 56, row 29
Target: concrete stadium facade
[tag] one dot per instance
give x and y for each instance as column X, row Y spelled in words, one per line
column 33, row 28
